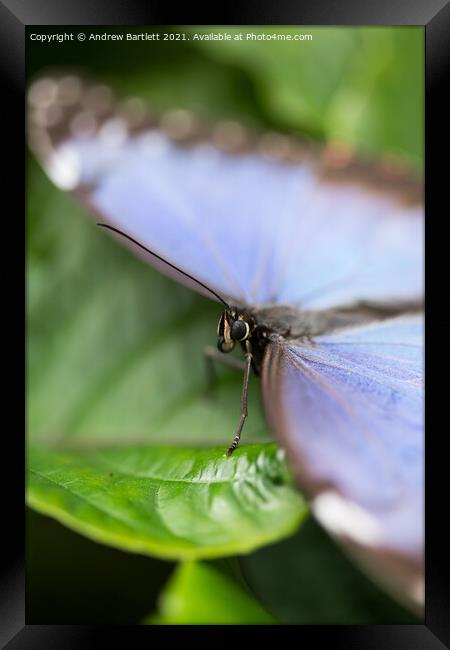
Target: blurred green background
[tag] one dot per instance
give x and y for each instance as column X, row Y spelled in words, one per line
column 114, row 350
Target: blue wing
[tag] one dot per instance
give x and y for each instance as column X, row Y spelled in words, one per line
column 349, row 410
column 257, row 231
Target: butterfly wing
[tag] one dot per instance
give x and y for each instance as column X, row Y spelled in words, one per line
column 349, row 411
column 258, row 223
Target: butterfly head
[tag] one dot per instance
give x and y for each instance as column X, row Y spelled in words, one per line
column 232, row 326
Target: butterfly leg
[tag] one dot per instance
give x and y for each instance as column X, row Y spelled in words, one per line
column 211, row 355
column 244, row 395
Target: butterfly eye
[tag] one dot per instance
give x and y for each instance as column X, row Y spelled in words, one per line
column 239, row 330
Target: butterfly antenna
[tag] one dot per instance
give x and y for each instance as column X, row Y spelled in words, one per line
column 119, row 232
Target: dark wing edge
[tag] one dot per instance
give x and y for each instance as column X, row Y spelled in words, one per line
column 335, row 162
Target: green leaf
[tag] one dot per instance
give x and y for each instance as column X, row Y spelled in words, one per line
column 169, row 502
column 200, row 593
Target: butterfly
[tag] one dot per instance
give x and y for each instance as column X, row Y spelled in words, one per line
column 316, row 258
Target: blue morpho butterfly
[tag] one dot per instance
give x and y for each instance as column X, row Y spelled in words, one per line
column 317, row 260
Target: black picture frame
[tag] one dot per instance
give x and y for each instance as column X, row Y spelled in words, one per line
column 434, row 15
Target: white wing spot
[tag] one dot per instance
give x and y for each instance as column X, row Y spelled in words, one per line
column 343, row 518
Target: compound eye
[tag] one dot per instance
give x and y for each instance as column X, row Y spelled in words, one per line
column 239, row 330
